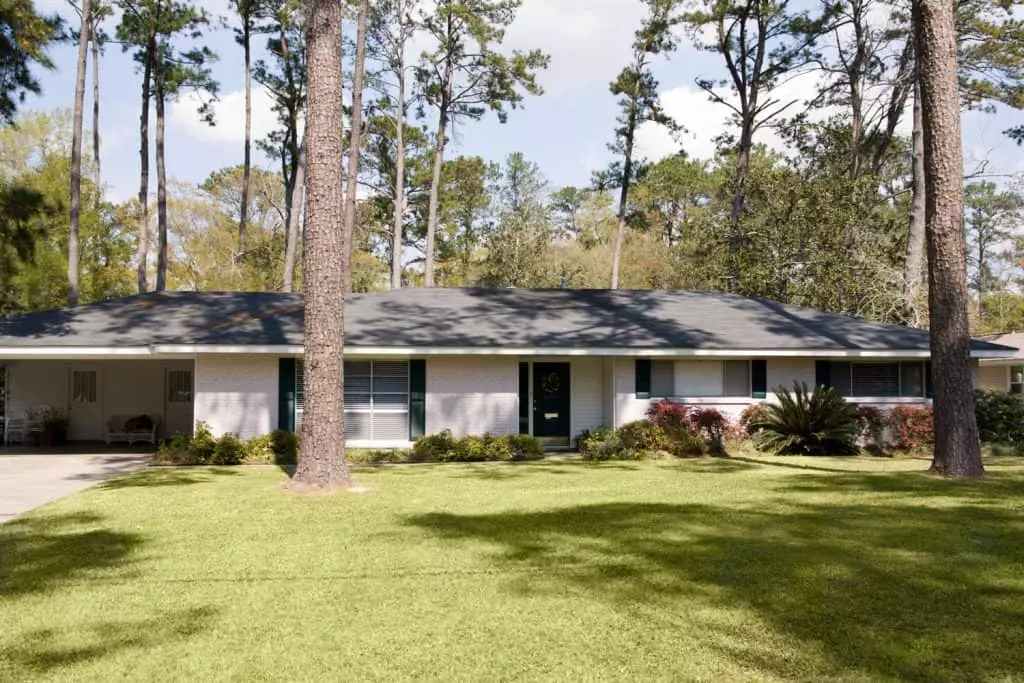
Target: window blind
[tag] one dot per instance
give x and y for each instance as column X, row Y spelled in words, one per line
column 376, row 399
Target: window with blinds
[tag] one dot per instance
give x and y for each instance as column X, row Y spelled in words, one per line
column 878, row 380
column 376, row 399
column 83, row 386
column 700, row 378
column 179, row 386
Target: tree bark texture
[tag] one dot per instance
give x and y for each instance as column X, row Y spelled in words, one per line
column 298, row 197
column 76, row 156
column 435, row 180
column 913, row 265
column 627, row 174
column 243, row 219
column 142, row 251
column 161, row 188
column 355, row 136
column 957, row 449
column 322, row 463
column 96, row 106
column 399, row 217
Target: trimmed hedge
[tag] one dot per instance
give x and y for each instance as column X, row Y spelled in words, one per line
column 444, row 447
column 641, row 440
column 281, row 448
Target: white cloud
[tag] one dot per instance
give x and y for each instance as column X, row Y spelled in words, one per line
column 705, row 120
column 230, row 117
column 588, row 40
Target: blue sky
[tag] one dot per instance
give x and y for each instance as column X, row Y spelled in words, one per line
column 565, row 130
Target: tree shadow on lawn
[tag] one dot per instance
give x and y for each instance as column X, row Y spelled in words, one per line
column 890, row 591
column 169, row 476
column 39, row 554
column 43, row 650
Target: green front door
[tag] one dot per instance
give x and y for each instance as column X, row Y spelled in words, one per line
column 551, row 400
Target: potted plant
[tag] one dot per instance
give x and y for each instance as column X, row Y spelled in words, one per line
column 52, row 424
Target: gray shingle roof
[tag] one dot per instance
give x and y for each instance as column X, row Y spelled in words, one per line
column 517, row 318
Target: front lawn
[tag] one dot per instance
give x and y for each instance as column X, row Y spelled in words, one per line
column 739, row 569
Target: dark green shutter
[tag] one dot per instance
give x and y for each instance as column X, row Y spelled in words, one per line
column 823, row 373
column 759, row 378
column 928, row 388
column 417, row 398
column 286, row 394
column 643, row 378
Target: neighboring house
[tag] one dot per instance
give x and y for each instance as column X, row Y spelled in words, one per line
column 1004, row 374
column 551, row 363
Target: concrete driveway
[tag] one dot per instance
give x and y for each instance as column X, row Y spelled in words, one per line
column 28, row 480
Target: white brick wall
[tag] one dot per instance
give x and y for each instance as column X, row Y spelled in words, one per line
column 994, row 377
column 237, row 394
column 473, row 395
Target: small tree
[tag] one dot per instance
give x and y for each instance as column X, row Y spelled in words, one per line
column 637, row 91
column 463, row 76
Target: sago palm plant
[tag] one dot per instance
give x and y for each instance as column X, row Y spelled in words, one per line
column 804, row 422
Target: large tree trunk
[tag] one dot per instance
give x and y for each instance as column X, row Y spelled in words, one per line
column 76, row 157
column 161, row 189
column 247, row 155
column 298, row 197
column 435, row 179
column 322, row 463
column 96, row 107
column 957, row 450
column 355, row 135
column 435, row 195
column 913, row 265
column 399, row 217
column 142, row 251
column 627, row 174
column 739, row 203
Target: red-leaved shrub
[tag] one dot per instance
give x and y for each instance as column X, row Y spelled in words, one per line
column 911, row 427
column 667, row 414
column 710, row 423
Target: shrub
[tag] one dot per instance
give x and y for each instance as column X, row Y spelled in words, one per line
column 683, row 442
column 1000, row 417
column 229, row 450
column 176, row 451
column 606, row 444
column 804, row 422
column 667, row 414
column 751, row 417
column 374, row 456
column 203, row 443
column 911, row 427
column 433, row 446
column 871, row 423
column 643, row 435
column 285, row 446
column 467, row 449
column 525, row 447
column 259, row 450
column 709, row 423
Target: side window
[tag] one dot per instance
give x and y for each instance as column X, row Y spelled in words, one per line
column 1017, row 379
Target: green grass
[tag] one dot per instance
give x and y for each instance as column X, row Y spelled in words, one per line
column 732, row 569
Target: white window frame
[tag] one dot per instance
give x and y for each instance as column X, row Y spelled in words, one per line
column 1012, row 384
column 720, row 398
column 371, row 410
